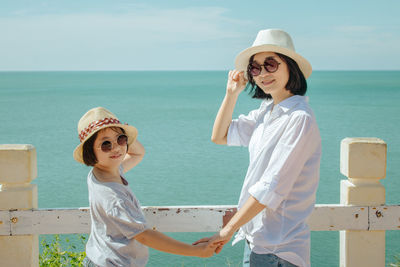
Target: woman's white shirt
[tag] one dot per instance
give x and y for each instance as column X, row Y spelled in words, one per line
column 284, row 157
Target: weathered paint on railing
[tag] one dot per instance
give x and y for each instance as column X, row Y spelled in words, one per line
column 385, row 218
column 195, row 219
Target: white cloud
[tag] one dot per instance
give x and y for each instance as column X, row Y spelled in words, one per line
column 353, row 48
column 88, row 39
column 143, row 37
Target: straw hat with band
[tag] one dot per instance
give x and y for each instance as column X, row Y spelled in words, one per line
column 272, row 40
column 95, row 120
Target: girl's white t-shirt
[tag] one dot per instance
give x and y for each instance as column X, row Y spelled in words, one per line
column 116, row 218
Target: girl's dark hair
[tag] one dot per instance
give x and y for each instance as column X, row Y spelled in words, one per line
column 89, row 158
column 296, row 84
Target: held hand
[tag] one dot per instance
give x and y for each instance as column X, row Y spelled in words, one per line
column 236, row 82
column 203, row 240
column 206, row 249
column 221, row 238
column 218, row 240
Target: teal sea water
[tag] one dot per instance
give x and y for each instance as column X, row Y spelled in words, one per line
column 174, row 113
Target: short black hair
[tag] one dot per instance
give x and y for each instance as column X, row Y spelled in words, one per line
column 296, row 84
column 88, row 156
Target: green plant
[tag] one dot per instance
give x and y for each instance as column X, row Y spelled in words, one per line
column 53, row 254
column 397, row 263
column 229, row 263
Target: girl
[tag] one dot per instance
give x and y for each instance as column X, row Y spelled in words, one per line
column 118, row 235
column 279, row 189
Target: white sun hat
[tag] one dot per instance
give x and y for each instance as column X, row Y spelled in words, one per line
column 272, row 40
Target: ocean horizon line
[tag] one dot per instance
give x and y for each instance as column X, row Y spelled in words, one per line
column 333, row 70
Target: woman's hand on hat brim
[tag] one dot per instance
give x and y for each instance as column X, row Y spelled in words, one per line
column 236, row 82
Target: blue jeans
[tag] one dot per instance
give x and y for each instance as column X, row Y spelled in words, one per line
column 88, row 263
column 251, row 259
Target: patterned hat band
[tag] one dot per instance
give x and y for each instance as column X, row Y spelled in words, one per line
column 95, row 125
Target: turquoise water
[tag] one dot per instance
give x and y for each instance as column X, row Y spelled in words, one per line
column 174, row 113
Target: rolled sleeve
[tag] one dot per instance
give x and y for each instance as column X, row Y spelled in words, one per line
column 235, row 137
column 261, row 192
column 287, row 161
column 232, row 138
column 241, row 129
column 126, row 220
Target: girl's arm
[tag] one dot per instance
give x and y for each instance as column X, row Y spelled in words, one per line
column 236, row 83
column 249, row 210
column 133, row 156
column 159, row 241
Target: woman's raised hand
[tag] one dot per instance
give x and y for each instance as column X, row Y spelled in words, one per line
column 236, row 82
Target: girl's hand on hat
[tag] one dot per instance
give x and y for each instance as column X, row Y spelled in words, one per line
column 133, row 156
column 236, row 82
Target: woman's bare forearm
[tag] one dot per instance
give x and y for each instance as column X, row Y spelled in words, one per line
column 223, row 119
column 247, row 212
column 235, row 85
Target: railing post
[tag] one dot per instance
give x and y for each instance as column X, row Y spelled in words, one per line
column 363, row 161
column 17, row 170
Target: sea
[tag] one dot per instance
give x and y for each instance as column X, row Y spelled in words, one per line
column 174, row 113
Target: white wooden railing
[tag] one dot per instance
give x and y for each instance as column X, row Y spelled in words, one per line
column 362, row 216
column 195, row 219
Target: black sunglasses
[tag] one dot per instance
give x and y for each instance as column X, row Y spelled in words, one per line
column 270, row 65
column 106, row 146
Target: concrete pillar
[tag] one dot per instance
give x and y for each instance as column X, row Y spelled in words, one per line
column 363, row 161
column 17, row 170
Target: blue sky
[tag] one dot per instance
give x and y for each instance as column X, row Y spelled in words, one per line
column 193, row 35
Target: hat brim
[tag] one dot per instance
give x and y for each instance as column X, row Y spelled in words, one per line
column 242, row 59
column 130, row 131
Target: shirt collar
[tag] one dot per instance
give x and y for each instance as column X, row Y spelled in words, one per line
column 291, row 102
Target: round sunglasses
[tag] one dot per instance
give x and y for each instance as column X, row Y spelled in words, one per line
column 270, row 65
column 107, row 146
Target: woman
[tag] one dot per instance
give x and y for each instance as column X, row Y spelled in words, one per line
column 279, row 189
